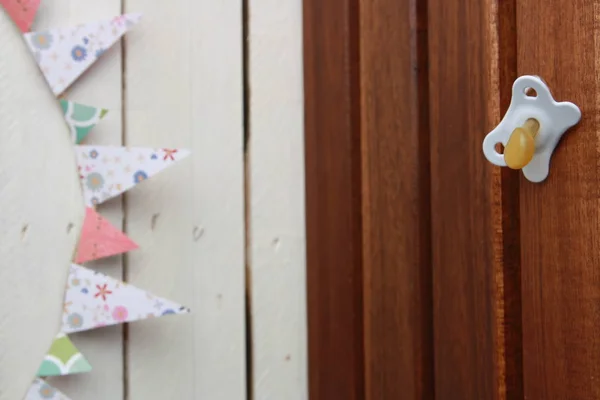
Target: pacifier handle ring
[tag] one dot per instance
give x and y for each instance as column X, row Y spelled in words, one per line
column 534, row 82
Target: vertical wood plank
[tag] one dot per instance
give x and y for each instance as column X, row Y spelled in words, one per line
column 40, row 224
column 333, row 200
column 466, row 198
column 100, row 86
column 396, row 208
column 275, row 166
column 509, row 292
column 184, row 89
column 560, row 218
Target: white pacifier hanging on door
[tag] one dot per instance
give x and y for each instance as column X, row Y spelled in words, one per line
column 531, row 129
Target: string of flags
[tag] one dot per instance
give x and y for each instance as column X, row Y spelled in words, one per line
column 92, row 300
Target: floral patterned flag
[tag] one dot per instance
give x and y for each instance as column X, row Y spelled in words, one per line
column 40, row 390
column 81, row 118
column 63, row 359
column 63, row 54
column 108, row 171
column 22, row 12
column 100, row 239
column 94, row 300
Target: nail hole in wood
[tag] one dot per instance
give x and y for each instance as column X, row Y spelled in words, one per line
column 154, row 220
column 24, row 230
column 198, row 232
column 276, row 242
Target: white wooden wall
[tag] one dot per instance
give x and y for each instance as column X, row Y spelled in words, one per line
column 32, row 273
column 221, row 225
column 276, row 181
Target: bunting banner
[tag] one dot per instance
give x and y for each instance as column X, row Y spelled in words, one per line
column 63, row 359
column 100, row 239
column 108, row 171
column 63, row 54
column 22, row 12
column 94, row 300
column 40, row 390
column 81, row 118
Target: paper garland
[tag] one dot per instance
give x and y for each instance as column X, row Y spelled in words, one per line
column 22, row 12
column 40, row 390
column 63, row 358
column 81, row 118
column 63, row 54
column 94, row 300
column 100, row 239
column 108, row 171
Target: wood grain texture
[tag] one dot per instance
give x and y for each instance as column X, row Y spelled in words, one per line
column 465, row 201
column 275, row 173
column 41, row 213
column 560, row 218
column 183, row 88
column 509, row 292
column 333, row 200
column 100, row 86
column 396, row 208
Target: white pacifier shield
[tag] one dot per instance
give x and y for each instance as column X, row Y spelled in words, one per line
column 555, row 119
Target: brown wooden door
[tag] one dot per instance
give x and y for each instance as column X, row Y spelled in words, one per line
column 431, row 273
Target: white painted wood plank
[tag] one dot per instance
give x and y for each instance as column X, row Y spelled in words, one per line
column 40, row 198
column 100, row 86
column 184, row 88
column 277, row 227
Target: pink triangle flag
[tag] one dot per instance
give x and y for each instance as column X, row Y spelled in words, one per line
column 22, row 12
column 99, row 239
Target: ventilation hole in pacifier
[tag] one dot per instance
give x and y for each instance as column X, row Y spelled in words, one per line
column 499, row 147
column 530, row 92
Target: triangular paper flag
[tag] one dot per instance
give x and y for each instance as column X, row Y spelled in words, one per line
column 63, row 359
column 40, row 390
column 81, row 118
column 22, row 12
column 108, row 171
column 94, row 300
column 100, row 239
column 63, row 54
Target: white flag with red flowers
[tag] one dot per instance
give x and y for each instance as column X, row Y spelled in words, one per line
column 108, row 171
column 94, row 300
